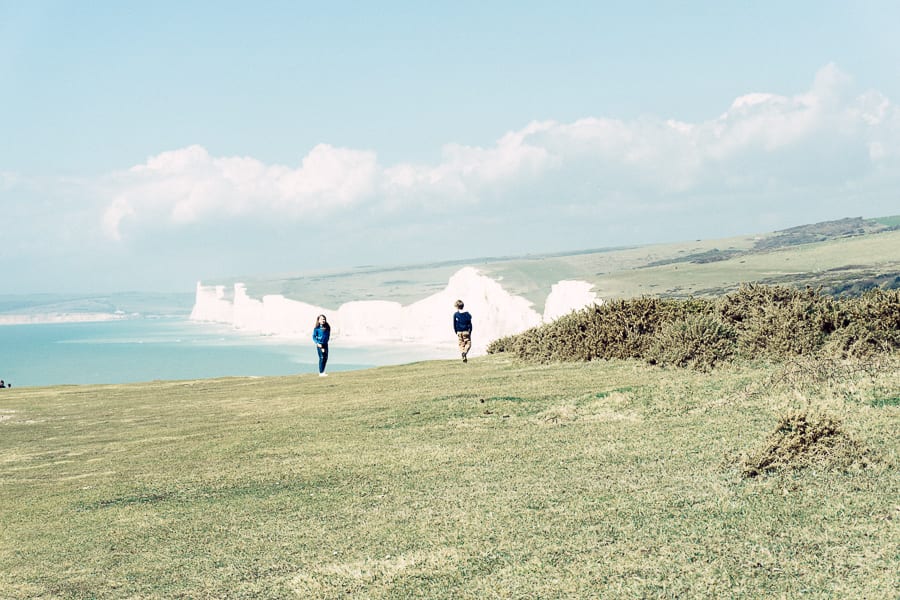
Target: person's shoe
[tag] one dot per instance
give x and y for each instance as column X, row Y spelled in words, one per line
column 465, row 359
column 323, row 374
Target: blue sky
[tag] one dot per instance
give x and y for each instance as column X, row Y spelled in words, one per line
column 150, row 145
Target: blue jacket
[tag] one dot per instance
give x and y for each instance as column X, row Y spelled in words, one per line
column 462, row 321
column 321, row 335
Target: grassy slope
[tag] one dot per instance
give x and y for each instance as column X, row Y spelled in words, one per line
column 616, row 273
column 879, row 251
column 489, row 480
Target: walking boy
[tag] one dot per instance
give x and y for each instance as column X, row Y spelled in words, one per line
column 462, row 325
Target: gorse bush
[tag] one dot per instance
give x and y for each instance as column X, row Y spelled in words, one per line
column 617, row 329
column 756, row 321
column 870, row 325
column 803, row 440
column 778, row 322
column 696, row 341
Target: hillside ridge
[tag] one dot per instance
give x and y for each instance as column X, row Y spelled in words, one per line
column 844, row 256
column 680, row 269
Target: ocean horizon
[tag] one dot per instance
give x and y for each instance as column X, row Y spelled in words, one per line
column 132, row 350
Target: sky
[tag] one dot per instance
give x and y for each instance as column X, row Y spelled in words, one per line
column 149, row 145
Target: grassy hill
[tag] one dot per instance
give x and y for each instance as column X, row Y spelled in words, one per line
column 845, row 255
column 496, row 479
column 499, row 478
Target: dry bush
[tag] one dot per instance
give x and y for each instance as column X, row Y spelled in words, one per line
column 871, row 326
column 756, row 321
column 777, row 321
column 505, row 344
column 617, row 329
column 697, row 341
column 804, row 440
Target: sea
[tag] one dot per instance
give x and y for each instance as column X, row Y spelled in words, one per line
column 172, row 348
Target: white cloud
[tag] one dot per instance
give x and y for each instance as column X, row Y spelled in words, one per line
column 329, row 178
column 764, row 142
column 467, row 170
column 188, row 185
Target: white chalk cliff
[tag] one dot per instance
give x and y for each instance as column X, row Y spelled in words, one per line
column 495, row 313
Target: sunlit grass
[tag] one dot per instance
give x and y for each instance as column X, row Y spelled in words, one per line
column 495, row 479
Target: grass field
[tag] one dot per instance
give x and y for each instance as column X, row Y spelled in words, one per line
column 495, row 479
column 626, row 274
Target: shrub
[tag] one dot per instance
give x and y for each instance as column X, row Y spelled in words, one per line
column 802, row 440
column 871, row 325
column 756, row 321
column 778, row 322
column 504, row 344
column 617, row 329
column 697, row 341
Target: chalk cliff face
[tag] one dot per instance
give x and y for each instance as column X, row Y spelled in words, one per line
column 495, row 313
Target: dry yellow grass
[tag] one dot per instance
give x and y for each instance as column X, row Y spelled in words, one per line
column 495, row 479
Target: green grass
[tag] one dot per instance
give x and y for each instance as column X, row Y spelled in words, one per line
column 495, row 479
column 893, row 221
column 895, row 401
column 879, row 252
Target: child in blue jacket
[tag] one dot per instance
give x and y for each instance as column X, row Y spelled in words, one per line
column 320, row 336
column 462, row 325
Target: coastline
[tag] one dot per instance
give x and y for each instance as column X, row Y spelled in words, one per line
column 46, row 318
column 141, row 349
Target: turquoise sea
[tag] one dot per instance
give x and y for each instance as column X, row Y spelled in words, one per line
column 147, row 349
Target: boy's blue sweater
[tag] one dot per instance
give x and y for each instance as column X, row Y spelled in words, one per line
column 462, row 321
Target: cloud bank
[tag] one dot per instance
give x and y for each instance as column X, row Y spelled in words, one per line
column 763, row 144
column 188, row 185
column 767, row 161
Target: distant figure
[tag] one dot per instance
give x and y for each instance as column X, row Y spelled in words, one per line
column 2, row 384
column 320, row 336
column 462, row 325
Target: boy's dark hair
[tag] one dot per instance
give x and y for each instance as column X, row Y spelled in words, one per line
column 459, row 304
